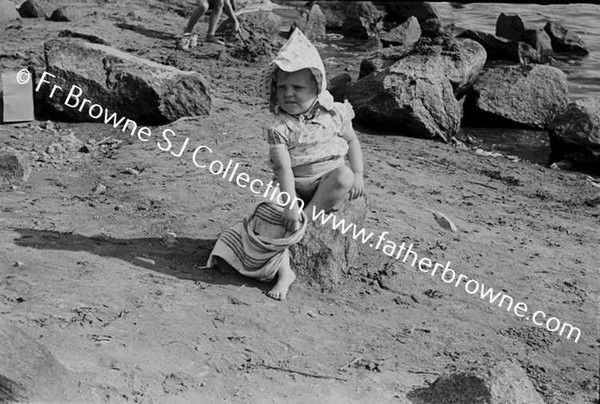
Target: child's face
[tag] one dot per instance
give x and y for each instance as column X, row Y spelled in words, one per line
column 296, row 91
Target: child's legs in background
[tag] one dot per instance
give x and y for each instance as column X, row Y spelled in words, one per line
column 202, row 6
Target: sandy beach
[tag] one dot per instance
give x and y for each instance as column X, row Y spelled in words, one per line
column 86, row 272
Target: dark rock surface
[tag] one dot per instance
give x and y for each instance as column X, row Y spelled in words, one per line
column 135, row 88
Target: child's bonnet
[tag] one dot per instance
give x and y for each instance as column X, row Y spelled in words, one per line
column 296, row 54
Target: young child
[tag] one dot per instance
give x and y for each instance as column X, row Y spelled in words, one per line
column 188, row 40
column 309, row 139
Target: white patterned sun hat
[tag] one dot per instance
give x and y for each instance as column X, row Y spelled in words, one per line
column 297, row 53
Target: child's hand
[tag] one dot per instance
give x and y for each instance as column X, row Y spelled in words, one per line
column 291, row 218
column 358, row 188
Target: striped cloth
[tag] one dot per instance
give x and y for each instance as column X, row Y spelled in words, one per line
column 257, row 245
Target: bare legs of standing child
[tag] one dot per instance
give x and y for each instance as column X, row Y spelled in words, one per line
column 217, row 8
column 332, row 189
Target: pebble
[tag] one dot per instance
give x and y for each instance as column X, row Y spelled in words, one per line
column 131, row 171
column 146, row 260
column 169, row 239
column 443, row 221
column 99, row 189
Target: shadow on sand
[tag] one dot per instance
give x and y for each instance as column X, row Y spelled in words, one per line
column 184, row 260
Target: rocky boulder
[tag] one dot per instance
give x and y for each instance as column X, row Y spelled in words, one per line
column 135, row 88
column 60, row 15
column 413, row 97
column 14, row 168
column 462, row 59
column 337, row 86
column 414, row 92
column 498, row 48
column 311, row 22
column 522, row 96
column 30, row 9
column 383, row 58
column 500, row 383
column 325, row 253
column 401, row 11
column 575, row 133
column 355, row 19
column 261, row 23
column 404, row 34
column 512, row 27
column 9, row 17
column 28, row 371
column 425, row 13
column 564, row 39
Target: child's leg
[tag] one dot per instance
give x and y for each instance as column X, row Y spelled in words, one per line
column 217, row 8
column 285, row 277
column 196, row 14
column 333, row 187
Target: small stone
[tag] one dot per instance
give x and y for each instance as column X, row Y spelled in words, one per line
column 169, row 239
column 131, row 171
column 561, row 165
column 443, row 221
column 99, row 189
column 146, row 260
column 18, row 264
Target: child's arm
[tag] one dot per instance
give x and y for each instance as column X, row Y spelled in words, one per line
column 356, row 161
column 282, row 167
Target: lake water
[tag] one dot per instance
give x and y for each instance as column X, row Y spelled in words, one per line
column 583, row 74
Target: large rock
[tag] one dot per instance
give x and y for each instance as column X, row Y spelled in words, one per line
column 462, row 60
column 401, row 11
column 311, row 22
column 512, row 27
column 564, row 39
column 263, row 23
column 413, row 97
column 501, row 383
column 337, row 86
column 498, row 48
column 138, row 89
column 14, row 168
column 9, row 16
column 417, row 94
column 425, row 13
column 381, row 59
column 575, row 133
column 359, row 19
column 404, row 34
column 29, row 372
column 524, row 96
column 325, row 253
column 30, row 9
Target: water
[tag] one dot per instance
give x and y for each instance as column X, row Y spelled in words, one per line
column 583, row 74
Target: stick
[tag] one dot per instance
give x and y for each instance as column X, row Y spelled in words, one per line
column 352, row 362
column 424, row 372
column 103, row 140
column 241, row 37
column 315, row 375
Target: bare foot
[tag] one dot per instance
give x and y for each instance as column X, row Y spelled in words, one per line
column 214, row 39
column 285, row 277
